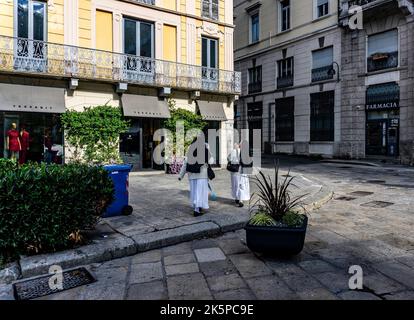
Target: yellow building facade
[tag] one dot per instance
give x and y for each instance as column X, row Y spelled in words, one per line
column 130, row 53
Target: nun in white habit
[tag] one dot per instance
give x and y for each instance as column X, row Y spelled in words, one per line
column 234, row 160
column 243, row 190
column 198, row 178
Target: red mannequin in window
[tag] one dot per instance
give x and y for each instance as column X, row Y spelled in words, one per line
column 13, row 142
column 25, row 144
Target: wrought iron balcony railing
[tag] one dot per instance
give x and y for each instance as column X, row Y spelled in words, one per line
column 382, row 61
column 285, row 82
column 146, row 1
column 323, row 73
column 18, row 55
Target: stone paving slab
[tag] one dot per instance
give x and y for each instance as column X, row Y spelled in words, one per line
column 169, row 222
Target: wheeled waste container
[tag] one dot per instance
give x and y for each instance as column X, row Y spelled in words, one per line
column 120, row 177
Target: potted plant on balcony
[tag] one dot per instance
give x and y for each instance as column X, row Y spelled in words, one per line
column 276, row 226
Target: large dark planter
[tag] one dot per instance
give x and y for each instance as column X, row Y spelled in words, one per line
column 276, row 240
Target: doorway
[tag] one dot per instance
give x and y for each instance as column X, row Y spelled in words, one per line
column 382, row 137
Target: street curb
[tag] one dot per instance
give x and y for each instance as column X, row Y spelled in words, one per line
column 118, row 245
column 352, row 162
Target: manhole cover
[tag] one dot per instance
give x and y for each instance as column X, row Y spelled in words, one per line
column 376, row 181
column 361, row 193
column 39, row 287
column 377, row 204
column 345, row 198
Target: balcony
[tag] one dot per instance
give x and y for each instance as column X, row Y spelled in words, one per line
column 285, row 82
column 381, row 61
column 254, row 87
column 371, row 7
column 23, row 56
column 323, row 73
column 151, row 2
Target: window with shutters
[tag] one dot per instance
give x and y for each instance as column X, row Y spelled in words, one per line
column 210, row 9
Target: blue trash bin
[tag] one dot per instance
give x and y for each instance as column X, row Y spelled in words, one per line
column 119, row 175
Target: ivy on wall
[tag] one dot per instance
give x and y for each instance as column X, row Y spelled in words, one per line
column 94, row 133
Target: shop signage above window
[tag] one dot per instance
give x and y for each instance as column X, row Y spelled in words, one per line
column 383, row 96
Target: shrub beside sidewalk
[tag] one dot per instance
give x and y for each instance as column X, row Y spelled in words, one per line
column 44, row 207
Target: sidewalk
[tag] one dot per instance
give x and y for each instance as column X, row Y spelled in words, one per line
column 162, row 217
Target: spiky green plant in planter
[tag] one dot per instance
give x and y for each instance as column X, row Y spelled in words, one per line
column 276, row 226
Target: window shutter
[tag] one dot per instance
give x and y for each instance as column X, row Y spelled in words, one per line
column 215, row 9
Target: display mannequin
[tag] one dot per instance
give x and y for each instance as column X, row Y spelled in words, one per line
column 24, row 143
column 13, row 142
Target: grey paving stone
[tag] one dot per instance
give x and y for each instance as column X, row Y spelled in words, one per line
column 316, row 294
column 148, row 256
column 181, row 269
column 316, row 266
column 145, row 272
column 270, row 288
column 189, row 286
column 334, row 281
column 301, row 282
column 104, row 291
column 6, row 292
column 357, row 295
column 9, row 273
column 249, row 265
column 181, row 248
column 155, row 290
column 209, row 254
column 159, row 239
column 113, row 275
column 226, row 282
column 203, row 243
column 233, row 246
column 398, row 272
column 217, row 268
column 236, row 294
column 381, row 284
column 403, row 295
column 179, row 259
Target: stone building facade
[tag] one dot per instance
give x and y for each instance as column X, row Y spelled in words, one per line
column 377, row 106
column 322, row 87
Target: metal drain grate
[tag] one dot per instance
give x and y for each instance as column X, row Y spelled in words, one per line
column 39, row 287
column 377, row 204
column 345, row 198
column 361, row 193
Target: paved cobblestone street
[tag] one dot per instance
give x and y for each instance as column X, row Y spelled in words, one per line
column 369, row 222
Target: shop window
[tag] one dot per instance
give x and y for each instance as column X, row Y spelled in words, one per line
column 382, row 51
column 322, row 116
column 285, row 119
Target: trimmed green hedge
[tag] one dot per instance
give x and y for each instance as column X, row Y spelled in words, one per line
column 43, row 206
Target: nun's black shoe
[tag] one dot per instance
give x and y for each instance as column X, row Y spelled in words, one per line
column 197, row 214
column 240, row 204
column 237, row 201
